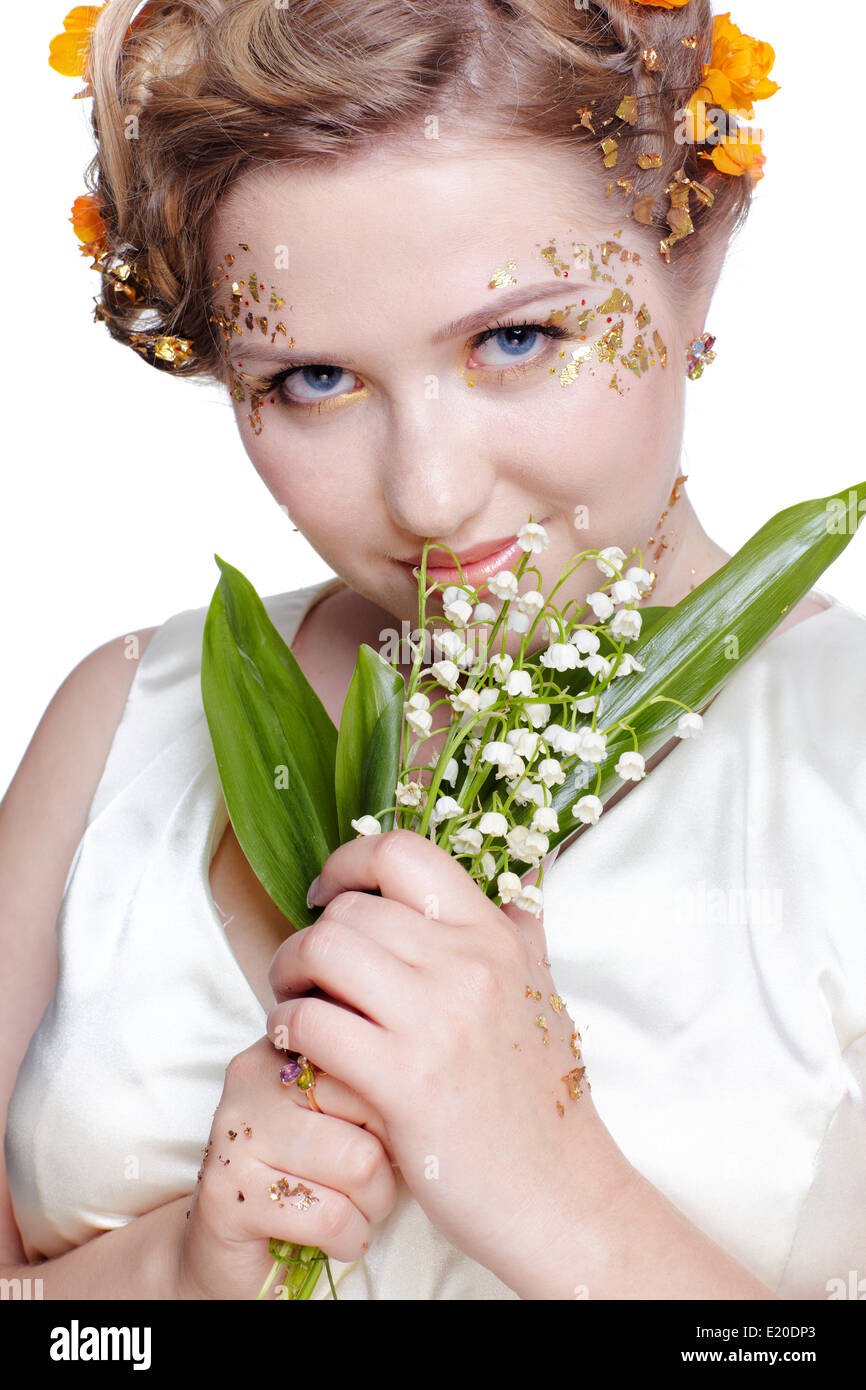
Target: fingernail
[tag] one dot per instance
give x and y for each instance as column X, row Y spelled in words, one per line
column 311, row 892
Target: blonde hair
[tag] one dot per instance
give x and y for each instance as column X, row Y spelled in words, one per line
column 212, row 88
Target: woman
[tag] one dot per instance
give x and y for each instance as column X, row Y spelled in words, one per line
column 441, row 309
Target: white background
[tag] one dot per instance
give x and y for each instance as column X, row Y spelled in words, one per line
column 119, row 484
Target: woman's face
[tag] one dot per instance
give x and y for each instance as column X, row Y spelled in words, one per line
column 399, row 428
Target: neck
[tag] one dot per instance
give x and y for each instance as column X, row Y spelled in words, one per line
column 690, row 556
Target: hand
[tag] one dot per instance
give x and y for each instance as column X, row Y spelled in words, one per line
column 332, row 1176
column 451, row 1030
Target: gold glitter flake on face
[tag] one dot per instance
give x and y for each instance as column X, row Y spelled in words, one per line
column 609, row 343
column 609, row 347
column 500, row 278
column 549, row 255
column 618, row 302
column 230, row 319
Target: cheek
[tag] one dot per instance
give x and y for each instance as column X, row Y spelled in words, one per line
column 604, row 425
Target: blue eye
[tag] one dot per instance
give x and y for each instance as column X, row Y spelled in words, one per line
column 320, row 378
column 517, row 339
column 516, row 342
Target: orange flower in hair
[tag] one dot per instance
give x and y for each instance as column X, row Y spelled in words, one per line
column 733, row 155
column 68, row 52
column 736, row 74
column 88, row 225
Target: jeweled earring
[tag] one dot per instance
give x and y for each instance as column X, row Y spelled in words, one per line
column 699, row 354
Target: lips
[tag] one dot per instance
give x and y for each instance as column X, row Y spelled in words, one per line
column 479, row 562
column 442, row 559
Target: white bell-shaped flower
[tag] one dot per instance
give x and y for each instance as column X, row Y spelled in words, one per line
column 533, row 538
column 630, row 767
column 447, row 673
column 587, row 809
column 561, row 656
column 503, row 585
column 591, row 745
column 537, row 713
column 367, row 825
column 689, row 725
column 610, row 559
column 626, row 624
column 467, row 840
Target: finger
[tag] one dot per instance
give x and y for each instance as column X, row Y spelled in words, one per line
column 406, row 867
column 392, row 924
column 256, row 1092
column 346, row 1045
column 302, row 1211
column 338, row 1154
column 335, row 1098
column 340, row 955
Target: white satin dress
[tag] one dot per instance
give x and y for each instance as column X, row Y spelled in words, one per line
column 708, row 937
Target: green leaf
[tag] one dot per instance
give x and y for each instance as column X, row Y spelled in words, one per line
column 368, row 745
column 274, row 744
column 693, row 649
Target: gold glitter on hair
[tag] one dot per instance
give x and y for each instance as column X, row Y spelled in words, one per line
column 609, row 148
column 627, row 109
column 173, row 350
column 649, row 161
column 585, row 119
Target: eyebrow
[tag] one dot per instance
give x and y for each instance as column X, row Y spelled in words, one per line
column 469, row 323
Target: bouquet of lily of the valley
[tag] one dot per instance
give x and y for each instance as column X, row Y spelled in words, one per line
column 528, row 747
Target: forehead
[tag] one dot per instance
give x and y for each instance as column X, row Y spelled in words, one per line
column 414, row 215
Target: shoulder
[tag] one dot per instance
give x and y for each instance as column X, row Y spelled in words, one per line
column 44, row 811
column 82, row 715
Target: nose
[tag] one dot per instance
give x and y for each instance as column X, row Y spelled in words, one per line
column 438, row 466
